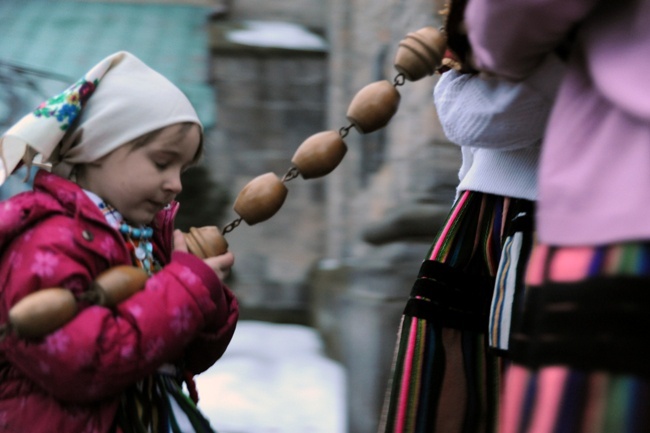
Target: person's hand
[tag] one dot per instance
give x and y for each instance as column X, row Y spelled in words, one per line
column 220, row 264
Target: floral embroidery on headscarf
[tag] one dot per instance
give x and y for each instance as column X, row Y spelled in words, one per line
column 65, row 106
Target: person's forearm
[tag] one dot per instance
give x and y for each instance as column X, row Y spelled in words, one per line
column 510, row 38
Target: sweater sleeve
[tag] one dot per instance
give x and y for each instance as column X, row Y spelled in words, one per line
column 487, row 112
column 510, row 38
column 101, row 351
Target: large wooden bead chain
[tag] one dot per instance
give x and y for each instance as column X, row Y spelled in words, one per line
column 46, row 310
column 419, row 54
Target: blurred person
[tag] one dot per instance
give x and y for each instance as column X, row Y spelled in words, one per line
column 581, row 351
column 454, row 333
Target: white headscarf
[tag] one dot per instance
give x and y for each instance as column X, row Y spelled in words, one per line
column 118, row 100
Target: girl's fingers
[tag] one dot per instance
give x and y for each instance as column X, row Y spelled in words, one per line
column 221, row 264
column 179, row 241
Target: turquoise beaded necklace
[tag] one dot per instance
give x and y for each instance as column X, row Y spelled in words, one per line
column 138, row 239
column 136, row 233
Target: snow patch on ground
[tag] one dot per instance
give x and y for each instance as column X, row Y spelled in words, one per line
column 274, row 378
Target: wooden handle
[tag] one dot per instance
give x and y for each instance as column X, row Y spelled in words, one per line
column 205, row 242
column 420, row 53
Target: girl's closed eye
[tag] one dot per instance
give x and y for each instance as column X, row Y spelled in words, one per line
column 161, row 165
column 162, row 160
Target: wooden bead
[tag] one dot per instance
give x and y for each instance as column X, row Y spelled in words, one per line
column 373, row 106
column 205, row 242
column 42, row 312
column 193, row 245
column 260, row 199
column 319, row 154
column 420, row 53
column 116, row 284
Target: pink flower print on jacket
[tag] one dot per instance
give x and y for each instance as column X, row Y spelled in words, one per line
column 27, row 237
column 65, row 235
column 127, row 351
column 135, row 310
column 16, row 259
column 188, row 276
column 57, row 342
column 4, row 423
column 108, row 246
column 154, row 348
column 66, row 197
column 182, row 319
column 44, row 264
column 9, row 217
column 153, row 284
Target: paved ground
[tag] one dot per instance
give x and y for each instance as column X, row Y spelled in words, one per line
column 274, row 378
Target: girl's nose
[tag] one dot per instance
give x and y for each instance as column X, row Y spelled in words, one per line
column 174, row 184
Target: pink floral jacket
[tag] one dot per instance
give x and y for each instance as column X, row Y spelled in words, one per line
column 71, row 380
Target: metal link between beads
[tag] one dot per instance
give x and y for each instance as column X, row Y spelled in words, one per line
column 292, row 173
column 230, row 227
column 399, row 80
column 345, row 130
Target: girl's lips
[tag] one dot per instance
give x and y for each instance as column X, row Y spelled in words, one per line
column 156, row 205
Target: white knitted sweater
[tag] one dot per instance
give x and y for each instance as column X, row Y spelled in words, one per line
column 499, row 126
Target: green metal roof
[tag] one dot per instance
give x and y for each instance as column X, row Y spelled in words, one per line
column 67, row 37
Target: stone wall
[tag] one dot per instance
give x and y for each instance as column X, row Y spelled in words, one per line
column 385, row 202
column 269, row 100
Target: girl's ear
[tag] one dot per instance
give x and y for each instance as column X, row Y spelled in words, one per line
column 79, row 171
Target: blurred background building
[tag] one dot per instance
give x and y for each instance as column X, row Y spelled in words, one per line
column 342, row 253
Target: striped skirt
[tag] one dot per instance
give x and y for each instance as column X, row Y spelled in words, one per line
column 445, row 377
column 157, row 404
column 581, row 353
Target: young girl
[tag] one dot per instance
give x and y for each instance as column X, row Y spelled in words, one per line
column 118, row 141
column 582, row 353
column 447, row 373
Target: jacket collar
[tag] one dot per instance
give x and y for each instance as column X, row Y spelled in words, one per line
column 71, row 197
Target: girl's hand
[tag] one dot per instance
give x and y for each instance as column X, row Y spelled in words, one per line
column 179, row 241
column 220, row 264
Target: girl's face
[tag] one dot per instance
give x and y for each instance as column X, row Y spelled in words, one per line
column 139, row 179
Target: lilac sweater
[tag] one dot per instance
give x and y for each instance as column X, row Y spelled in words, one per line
column 594, row 179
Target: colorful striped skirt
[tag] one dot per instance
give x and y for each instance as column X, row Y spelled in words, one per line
column 157, row 404
column 445, row 377
column 581, row 351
